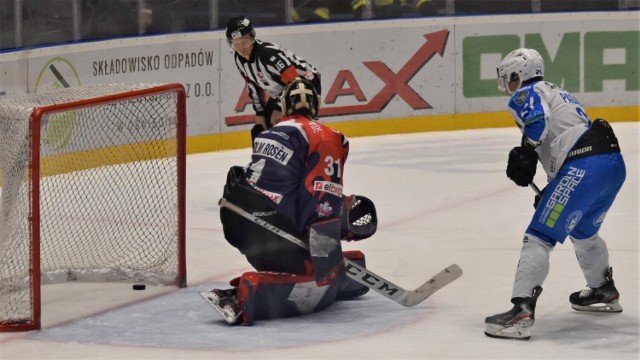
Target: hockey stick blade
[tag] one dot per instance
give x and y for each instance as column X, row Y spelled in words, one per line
column 361, row 274
column 396, row 293
column 440, row 280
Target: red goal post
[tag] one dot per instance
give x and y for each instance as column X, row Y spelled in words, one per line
column 92, row 188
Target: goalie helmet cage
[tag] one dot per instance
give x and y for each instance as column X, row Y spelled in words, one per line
column 92, row 187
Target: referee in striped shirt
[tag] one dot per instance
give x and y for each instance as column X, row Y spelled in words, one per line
column 266, row 68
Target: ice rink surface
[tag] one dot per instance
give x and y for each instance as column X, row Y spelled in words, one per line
column 442, row 198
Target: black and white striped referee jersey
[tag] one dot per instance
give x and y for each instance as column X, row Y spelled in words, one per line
column 269, row 69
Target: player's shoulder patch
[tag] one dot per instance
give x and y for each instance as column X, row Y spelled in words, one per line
column 521, row 96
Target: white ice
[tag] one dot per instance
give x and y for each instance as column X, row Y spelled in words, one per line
column 442, row 198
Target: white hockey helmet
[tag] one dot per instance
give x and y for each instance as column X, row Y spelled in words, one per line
column 520, row 64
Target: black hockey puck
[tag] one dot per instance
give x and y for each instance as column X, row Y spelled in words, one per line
column 139, row 286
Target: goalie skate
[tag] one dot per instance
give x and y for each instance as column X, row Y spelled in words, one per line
column 224, row 302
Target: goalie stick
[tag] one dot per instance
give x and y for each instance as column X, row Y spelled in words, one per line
column 363, row 275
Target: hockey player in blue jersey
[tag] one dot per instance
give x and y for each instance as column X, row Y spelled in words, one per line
column 585, row 172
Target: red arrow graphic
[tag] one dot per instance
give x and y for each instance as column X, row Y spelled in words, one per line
column 397, row 83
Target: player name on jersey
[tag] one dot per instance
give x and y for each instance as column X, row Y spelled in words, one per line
column 272, row 149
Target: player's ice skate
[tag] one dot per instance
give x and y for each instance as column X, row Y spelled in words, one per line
column 601, row 299
column 515, row 323
column 225, row 303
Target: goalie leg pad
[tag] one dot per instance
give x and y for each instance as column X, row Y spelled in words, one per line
column 264, row 295
column 350, row 289
column 326, row 251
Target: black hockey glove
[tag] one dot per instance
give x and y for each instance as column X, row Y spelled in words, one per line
column 521, row 166
column 536, row 199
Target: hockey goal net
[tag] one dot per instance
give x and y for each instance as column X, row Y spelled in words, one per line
column 92, row 188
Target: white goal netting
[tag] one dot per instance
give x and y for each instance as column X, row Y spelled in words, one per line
column 89, row 190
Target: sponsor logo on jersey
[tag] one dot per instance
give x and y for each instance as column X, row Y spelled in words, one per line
column 328, row 187
column 573, row 220
column 600, row 219
column 552, row 164
column 580, row 151
column 324, row 209
column 265, row 83
column 275, row 197
column 272, row 149
column 520, row 97
column 281, row 134
column 561, row 196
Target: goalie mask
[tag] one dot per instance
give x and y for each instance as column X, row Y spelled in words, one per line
column 521, row 65
column 300, row 97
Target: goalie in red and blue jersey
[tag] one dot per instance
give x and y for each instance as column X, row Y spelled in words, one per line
column 294, row 182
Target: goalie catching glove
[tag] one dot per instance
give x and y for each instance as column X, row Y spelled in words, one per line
column 359, row 219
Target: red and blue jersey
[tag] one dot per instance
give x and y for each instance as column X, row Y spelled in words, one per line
column 299, row 165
